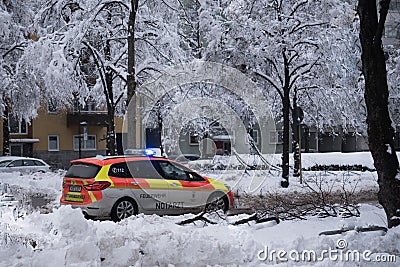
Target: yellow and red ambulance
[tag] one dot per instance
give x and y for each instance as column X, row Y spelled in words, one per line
column 122, row 186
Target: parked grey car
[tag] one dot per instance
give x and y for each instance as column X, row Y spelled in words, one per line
column 22, row 164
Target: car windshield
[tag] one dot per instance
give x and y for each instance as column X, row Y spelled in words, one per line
column 4, row 163
column 80, row 170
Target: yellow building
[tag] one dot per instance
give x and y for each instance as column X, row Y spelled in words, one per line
column 54, row 135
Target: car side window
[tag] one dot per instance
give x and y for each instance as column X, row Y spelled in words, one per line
column 28, row 162
column 15, row 163
column 119, row 170
column 172, row 172
column 192, row 176
column 4, row 163
column 147, row 169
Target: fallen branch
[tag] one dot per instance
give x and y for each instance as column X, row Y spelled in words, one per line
column 255, row 218
column 199, row 217
column 357, row 229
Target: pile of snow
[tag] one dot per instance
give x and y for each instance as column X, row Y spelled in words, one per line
column 65, row 238
column 48, row 183
column 31, row 191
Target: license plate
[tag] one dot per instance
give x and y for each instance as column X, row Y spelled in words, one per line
column 75, row 188
column 74, row 198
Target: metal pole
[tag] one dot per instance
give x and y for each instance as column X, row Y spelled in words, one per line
column 79, row 133
column 300, row 167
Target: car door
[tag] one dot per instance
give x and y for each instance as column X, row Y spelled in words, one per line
column 41, row 166
column 186, row 187
column 29, row 165
column 148, row 186
column 199, row 187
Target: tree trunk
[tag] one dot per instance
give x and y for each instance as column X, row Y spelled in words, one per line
column 160, row 128
column 110, row 136
column 111, row 147
column 295, row 137
column 286, row 124
column 131, row 79
column 380, row 131
column 6, row 129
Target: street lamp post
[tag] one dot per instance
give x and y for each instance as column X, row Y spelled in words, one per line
column 84, row 125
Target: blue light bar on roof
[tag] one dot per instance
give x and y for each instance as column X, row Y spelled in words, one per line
column 149, row 152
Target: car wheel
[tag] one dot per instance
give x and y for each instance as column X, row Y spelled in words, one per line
column 123, row 208
column 217, row 202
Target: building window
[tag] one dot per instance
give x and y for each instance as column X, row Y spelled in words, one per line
column 276, row 137
column 89, row 144
column 17, row 126
column 53, row 143
column 193, row 139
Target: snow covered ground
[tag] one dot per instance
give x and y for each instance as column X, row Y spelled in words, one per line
column 311, row 159
column 60, row 236
column 65, row 238
column 261, row 181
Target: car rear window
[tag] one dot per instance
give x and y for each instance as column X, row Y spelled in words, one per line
column 147, row 169
column 119, row 170
column 80, row 170
column 38, row 163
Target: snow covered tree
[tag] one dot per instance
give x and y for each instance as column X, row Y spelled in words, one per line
column 190, row 31
column 380, row 130
column 277, row 40
column 336, row 102
column 296, row 50
column 157, row 46
column 90, row 54
column 19, row 97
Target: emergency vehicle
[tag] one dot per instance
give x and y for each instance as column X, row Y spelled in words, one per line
column 122, row 186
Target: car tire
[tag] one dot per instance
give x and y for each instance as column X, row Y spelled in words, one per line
column 123, row 208
column 217, row 202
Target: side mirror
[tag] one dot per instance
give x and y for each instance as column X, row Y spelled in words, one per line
column 191, row 177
